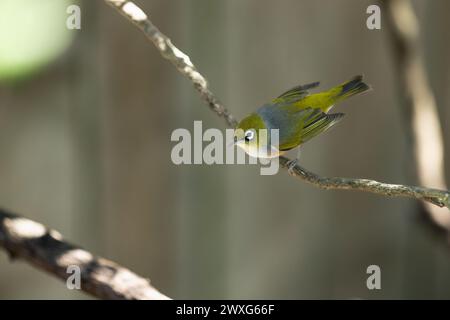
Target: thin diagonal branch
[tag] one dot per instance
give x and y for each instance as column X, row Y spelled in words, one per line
column 183, row 63
column 45, row 248
column 180, row 60
column 437, row 197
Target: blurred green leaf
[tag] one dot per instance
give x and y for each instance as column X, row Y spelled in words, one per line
column 32, row 34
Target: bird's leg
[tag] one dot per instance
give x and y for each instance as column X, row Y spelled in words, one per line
column 292, row 163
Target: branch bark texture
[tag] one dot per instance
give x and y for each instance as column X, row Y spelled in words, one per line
column 45, row 249
column 179, row 59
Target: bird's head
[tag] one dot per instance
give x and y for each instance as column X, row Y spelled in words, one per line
column 247, row 134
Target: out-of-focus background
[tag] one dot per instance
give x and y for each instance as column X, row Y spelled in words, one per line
column 85, row 123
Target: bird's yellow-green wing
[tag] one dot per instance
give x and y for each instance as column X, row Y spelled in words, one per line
column 295, row 94
column 317, row 122
column 296, row 126
column 327, row 99
column 320, row 125
column 300, row 116
column 312, row 123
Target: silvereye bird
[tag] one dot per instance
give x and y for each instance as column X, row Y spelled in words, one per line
column 298, row 115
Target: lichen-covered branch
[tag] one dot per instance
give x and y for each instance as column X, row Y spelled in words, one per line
column 183, row 63
column 179, row 59
column 45, row 248
column 437, row 197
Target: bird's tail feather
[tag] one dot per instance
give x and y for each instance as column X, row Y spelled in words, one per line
column 350, row 88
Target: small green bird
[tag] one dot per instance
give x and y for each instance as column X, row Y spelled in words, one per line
column 298, row 115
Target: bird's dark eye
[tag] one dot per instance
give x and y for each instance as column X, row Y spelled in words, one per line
column 249, row 135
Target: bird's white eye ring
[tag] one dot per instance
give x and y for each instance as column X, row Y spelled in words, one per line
column 249, row 135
